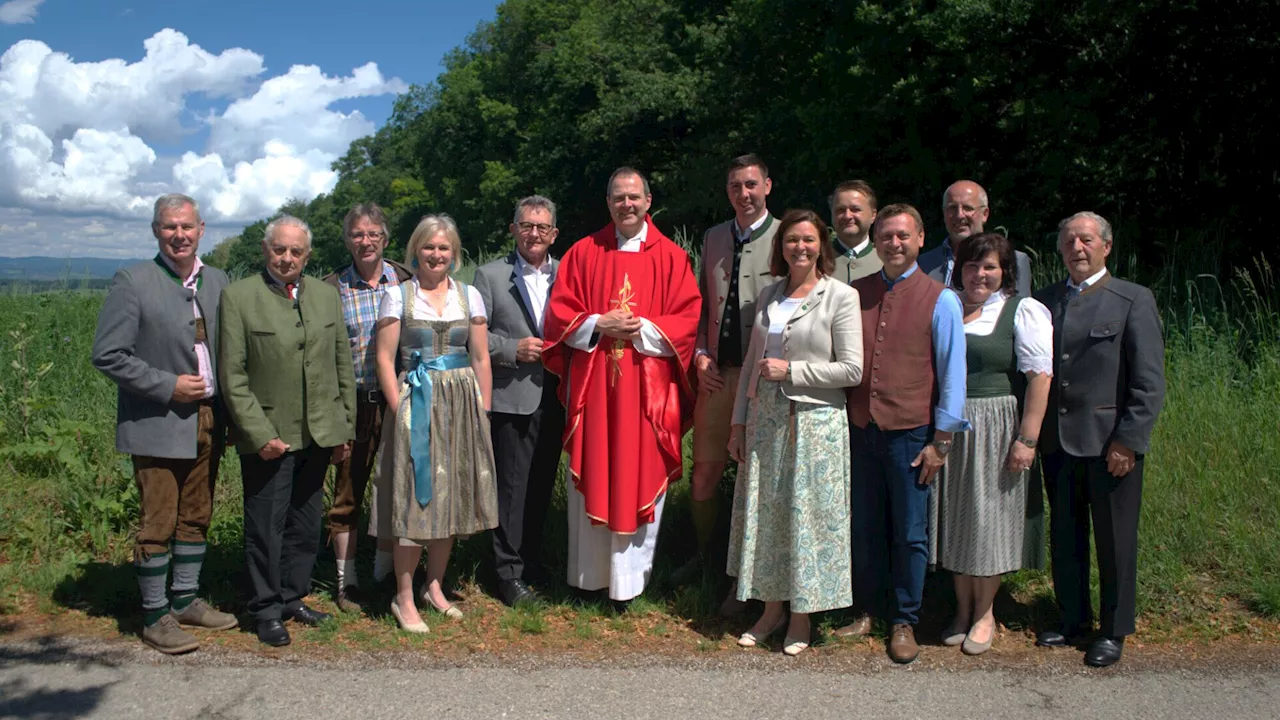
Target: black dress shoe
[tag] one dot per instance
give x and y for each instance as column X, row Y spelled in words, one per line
column 272, row 632
column 306, row 615
column 1104, row 652
column 1061, row 637
column 514, row 593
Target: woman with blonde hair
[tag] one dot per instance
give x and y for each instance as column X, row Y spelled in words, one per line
column 436, row 480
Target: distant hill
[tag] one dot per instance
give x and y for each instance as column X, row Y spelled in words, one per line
column 50, row 268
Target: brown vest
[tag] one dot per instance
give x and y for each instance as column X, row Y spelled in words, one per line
column 899, row 380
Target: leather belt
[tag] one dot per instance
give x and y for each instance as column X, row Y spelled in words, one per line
column 373, row 397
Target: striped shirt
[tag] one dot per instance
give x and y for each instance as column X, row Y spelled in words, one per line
column 360, row 304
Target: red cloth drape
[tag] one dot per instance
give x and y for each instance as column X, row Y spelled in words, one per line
column 626, row 412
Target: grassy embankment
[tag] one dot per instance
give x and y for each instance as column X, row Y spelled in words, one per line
column 1210, row 527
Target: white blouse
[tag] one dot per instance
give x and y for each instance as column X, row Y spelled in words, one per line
column 779, row 313
column 1032, row 331
column 393, row 306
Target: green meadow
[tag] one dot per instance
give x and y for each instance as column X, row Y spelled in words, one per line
column 1210, row 532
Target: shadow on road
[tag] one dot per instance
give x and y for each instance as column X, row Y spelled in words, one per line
column 19, row 698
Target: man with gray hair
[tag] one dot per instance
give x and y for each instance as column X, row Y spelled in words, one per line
column 156, row 340
column 965, row 211
column 527, row 417
column 361, row 286
column 1108, row 387
column 285, row 369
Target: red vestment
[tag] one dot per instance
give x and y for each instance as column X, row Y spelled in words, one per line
column 625, row 412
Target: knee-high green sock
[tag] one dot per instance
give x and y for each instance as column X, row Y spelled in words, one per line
column 704, row 521
column 187, row 559
column 152, row 573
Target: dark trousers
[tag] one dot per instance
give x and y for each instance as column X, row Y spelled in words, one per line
column 526, row 453
column 1080, row 489
column 352, row 476
column 283, row 504
column 889, row 514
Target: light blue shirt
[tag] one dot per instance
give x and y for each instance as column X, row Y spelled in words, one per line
column 948, row 357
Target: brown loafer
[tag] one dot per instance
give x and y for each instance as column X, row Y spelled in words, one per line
column 857, row 628
column 902, row 644
column 202, row 615
column 349, row 599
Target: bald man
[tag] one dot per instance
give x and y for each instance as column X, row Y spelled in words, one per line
column 965, row 211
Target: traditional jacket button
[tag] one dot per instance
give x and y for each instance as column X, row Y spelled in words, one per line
column 1062, row 411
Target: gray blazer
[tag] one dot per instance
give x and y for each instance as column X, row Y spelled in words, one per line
column 934, row 264
column 517, row 386
column 146, row 338
column 822, row 341
column 1108, row 368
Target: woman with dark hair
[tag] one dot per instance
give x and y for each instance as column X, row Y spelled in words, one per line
column 790, row 435
column 983, row 490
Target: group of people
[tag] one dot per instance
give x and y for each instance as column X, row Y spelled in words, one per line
column 883, row 406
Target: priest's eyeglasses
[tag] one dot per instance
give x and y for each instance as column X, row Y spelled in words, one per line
column 528, row 227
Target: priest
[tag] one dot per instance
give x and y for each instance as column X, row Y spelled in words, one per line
column 620, row 330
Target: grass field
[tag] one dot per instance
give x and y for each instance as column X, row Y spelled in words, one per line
column 1210, row 533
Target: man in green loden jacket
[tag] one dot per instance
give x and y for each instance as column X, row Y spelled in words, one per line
column 286, row 377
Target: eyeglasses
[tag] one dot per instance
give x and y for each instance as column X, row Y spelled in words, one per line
column 954, row 209
column 375, row 236
column 527, row 227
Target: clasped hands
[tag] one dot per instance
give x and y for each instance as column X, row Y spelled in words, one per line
column 620, row 324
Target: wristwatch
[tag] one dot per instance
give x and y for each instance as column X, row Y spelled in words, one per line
column 1027, row 441
column 942, row 446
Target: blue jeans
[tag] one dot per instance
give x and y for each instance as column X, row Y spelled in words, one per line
column 890, row 521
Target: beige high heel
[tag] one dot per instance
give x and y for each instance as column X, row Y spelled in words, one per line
column 418, row 627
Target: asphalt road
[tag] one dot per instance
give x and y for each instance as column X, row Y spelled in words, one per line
column 43, row 682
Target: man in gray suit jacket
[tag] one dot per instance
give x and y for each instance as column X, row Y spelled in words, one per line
column 965, row 212
column 155, row 341
column 1108, row 387
column 528, row 420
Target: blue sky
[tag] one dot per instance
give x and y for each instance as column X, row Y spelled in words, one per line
column 106, row 103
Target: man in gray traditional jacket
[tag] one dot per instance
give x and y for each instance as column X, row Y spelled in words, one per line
column 155, row 341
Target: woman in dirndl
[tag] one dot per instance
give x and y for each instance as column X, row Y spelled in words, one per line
column 983, row 488
column 436, row 477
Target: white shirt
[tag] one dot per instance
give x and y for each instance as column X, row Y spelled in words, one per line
column 1032, row 331
column 1089, row 281
column 204, row 364
column 392, row 305
column 743, row 235
column 857, row 249
column 650, row 342
column 779, row 313
column 535, row 284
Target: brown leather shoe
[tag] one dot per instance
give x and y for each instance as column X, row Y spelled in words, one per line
column 858, row 628
column 902, row 644
column 349, row 599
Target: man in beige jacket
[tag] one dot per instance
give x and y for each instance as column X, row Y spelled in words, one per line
column 735, row 268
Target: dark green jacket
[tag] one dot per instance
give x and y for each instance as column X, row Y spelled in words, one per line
column 285, row 366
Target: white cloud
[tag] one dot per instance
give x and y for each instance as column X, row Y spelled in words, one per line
column 77, row 137
column 19, row 11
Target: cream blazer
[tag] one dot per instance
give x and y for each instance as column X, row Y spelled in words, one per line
column 822, row 341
